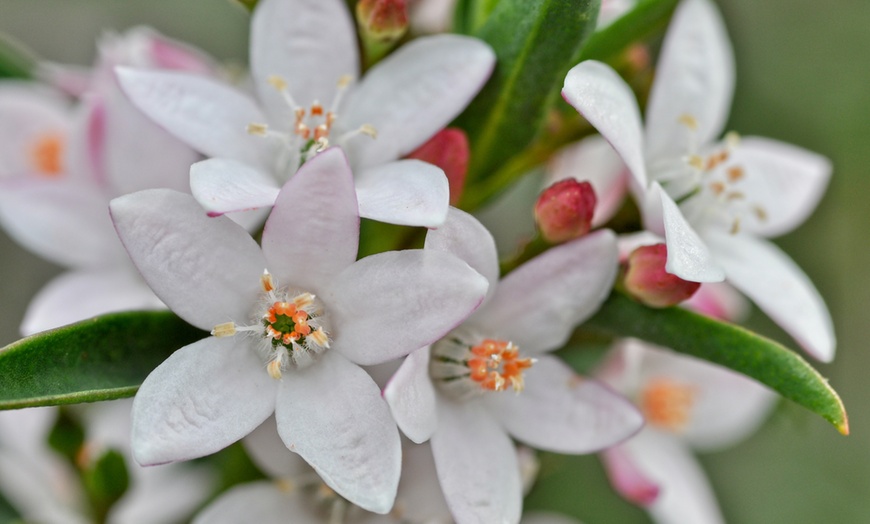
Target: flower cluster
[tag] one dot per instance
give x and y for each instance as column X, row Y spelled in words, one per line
column 395, row 373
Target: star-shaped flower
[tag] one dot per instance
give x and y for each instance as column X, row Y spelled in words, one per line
column 713, row 199
column 290, row 340
column 304, row 60
column 491, row 379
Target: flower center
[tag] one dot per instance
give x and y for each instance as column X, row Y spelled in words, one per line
column 290, row 326
column 311, row 128
column 463, row 369
column 667, row 404
column 46, row 154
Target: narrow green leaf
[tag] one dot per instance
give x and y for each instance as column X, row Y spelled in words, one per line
column 103, row 358
column 535, row 42
column 470, row 15
column 731, row 346
column 106, row 480
column 16, row 61
column 647, row 18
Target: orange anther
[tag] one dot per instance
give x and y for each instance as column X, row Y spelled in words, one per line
column 46, row 154
column 735, row 174
column 303, row 131
column 316, row 109
column 321, row 131
column 667, row 403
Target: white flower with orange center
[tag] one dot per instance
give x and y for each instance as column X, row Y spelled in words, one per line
column 304, row 65
column 491, row 378
column 289, row 341
column 714, row 200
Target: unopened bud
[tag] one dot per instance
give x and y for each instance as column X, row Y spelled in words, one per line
column 447, row 149
column 564, row 210
column 648, row 282
column 382, row 20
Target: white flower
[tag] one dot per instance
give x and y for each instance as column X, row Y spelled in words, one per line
column 712, row 199
column 303, row 61
column 491, row 379
column 288, row 341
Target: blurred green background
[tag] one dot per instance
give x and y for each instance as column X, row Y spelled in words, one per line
column 803, row 77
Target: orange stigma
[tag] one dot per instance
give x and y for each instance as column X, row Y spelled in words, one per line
column 667, row 404
column 496, row 365
column 46, row 154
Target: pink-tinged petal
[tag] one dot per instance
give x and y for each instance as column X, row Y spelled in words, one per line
column 312, row 233
column 477, row 465
column 694, row 78
column 685, row 494
column 269, row 453
column 688, row 256
column 137, row 153
column 405, row 192
column 562, row 412
column 414, row 93
column 332, row 414
column 539, row 304
column 387, row 305
column 449, row 150
column 262, row 502
column 207, row 115
column 630, row 241
column 207, row 270
column 169, row 54
column 593, row 160
column 782, row 182
column 79, row 295
column 606, row 101
column 463, row 236
column 72, row 80
column 779, row 287
column 311, row 44
column 626, row 478
column 31, row 115
column 411, row 397
column 200, row 400
column 63, row 221
column 221, row 185
column 719, row 300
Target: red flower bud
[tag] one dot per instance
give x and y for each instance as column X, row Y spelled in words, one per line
column 447, row 149
column 564, row 210
column 648, row 282
column 383, row 20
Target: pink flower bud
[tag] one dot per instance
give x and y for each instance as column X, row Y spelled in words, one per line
column 648, row 282
column 447, row 149
column 564, row 210
column 383, row 20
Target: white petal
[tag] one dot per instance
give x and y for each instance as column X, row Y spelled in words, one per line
column 626, row 478
column 405, row 192
column 538, row 304
column 309, row 43
column 720, row 301
column 694, row 77
column 207, row 270
column 332, row 414
column 414, row 93
column 268, row 452
column 463, row 236
column 387, row 305
column 79, row 295
column 783, row 180
column 539, row 517
column 261, row 502
column 606, row 101
column 420, row 498
column 593, row 160
column 688, row 256
column 200, row 400
column 221, row 185
column 312, row 233
column 209, row 116
column 779, row 287
column 64, row 221
column 411, row 397
column 684, row 492
column 180, row 488
column 477, row 465
column 562, row 412
column 37, row 492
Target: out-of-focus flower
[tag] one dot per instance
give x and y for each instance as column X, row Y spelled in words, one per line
column 288, row 341
column 491, row 378
column 61, row 164
column 731, row 192
column 303, row 61
column 688, row 405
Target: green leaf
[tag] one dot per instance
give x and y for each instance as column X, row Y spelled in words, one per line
column 535, row 42
column 103, row 358
column 16, row 61
column 647, row 18
column 470, row 15
column 731, row 346
column 106, row 481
